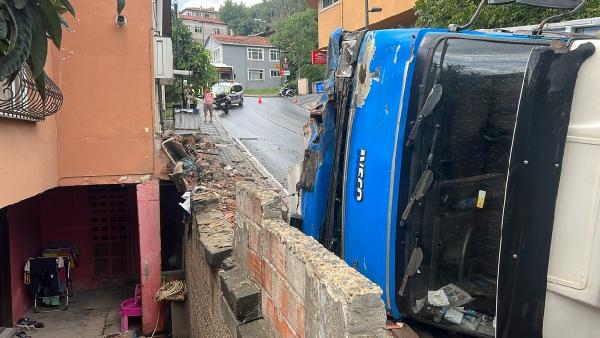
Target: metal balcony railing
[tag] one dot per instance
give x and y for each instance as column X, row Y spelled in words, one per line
column 21, row 99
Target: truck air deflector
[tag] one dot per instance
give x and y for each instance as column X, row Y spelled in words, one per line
column 532, row 188
column 376, row 129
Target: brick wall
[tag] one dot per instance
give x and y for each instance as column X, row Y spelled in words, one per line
column 306, row 290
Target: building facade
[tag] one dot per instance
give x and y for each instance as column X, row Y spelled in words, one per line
column 205, row 12
column 254, row 60
column 350, row 15
column 90, row 175
column 202, row 22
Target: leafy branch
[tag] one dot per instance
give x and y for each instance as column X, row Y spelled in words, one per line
column 25, row 27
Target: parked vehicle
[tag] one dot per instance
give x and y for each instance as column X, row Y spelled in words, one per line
column 461, row 174
column 223, row 102
column 286, row 90
column 233, row 90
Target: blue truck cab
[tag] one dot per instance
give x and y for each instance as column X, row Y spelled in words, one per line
column 432, row 167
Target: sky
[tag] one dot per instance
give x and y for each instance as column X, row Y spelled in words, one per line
column 211, row 3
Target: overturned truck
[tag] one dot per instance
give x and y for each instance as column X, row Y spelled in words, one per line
column 460, row 171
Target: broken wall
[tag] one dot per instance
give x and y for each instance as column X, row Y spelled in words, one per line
column 261, row 277
column 307, row 291
column 203, row 301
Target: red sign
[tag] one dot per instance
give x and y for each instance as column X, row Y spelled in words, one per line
column 319, row 57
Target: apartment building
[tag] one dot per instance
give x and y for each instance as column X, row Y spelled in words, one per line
column 202, row 22
column 350, row 15
column 253, row 59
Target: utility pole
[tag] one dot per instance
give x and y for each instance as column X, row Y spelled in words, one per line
column 366, row 15
column 369, row 10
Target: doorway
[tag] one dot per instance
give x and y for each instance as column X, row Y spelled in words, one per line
column 5, row 288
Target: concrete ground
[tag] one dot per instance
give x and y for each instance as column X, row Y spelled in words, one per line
column 91, row 313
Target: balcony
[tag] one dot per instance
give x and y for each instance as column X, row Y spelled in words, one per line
column 22, row 100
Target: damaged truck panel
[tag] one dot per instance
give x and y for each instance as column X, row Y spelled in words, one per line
column 376, row 123
column 320, row 150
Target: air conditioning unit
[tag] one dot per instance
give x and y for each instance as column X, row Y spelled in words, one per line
column 163, row 58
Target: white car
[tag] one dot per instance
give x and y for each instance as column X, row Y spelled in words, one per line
column 234, row 91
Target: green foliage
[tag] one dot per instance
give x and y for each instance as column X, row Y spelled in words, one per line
column 238, row 17
column 25, row 27
column 441, row 13
column 258, row 18
column 296, row 36
column 261, row 91
column 189, row 55
column 313, row 73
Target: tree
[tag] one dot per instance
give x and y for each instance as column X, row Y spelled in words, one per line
column 190, row 55
column 238, row 17
column 258, row 18
column 296, row 36
column 441, row 13
column 25, row 27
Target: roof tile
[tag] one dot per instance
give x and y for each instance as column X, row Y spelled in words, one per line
column 201, row 19
column 241, row 40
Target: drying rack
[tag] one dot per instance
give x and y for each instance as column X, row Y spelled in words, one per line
column 64, row 295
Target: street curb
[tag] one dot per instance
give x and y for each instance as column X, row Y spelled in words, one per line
column 252, row 159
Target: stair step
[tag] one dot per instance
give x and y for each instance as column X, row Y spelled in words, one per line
column 7, row 332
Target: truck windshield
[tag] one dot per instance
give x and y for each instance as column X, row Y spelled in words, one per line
column 459, row 220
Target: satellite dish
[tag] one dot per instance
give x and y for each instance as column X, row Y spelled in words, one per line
column 560, row 4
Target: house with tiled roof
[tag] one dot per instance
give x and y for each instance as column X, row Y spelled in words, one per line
column 251, row 60
column 203, row 22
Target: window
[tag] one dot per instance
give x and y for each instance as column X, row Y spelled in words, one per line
column 216, row 31
column 274, row 55
column 197, row 29
column 256, row 75
column 206, row 15
column 459, row 236
column 255, row 54
column 327, row 3
column 216, row 55
column 274, row 73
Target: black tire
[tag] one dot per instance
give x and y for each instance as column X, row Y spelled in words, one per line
column 241, row 102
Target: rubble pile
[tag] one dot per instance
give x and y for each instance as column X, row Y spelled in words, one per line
column 196, row 165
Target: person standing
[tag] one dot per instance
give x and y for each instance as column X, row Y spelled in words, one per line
column 208, row 103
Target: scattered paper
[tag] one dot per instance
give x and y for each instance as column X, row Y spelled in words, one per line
column 187, row 204
column 454, row 315
column 455, row 295
column 437, row 298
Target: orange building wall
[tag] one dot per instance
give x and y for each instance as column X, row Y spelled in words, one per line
column 28, row 156
column 27, row 159
column 105, row 128
column 350, row 15
column 104, row 132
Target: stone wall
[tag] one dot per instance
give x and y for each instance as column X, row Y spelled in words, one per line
column 306, row 290
column 203, row 302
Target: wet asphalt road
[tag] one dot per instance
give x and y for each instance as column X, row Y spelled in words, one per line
column 272, row 131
